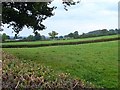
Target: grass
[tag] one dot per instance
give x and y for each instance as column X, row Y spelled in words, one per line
column 58, row 41
column 18, row 74
column 96, row 62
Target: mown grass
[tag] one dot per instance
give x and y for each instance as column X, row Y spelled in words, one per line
column 96, row 63
column 58, row 41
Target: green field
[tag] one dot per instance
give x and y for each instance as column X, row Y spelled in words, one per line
column 58, row 41
column 96, row 62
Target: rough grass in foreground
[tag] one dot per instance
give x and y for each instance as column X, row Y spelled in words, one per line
column 30, row 75
column 96, row 63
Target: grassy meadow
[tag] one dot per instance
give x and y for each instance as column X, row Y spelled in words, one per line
column 95, row 62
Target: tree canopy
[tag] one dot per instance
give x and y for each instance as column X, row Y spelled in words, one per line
column 4, row 37
column 30, row 14
column 53, row 34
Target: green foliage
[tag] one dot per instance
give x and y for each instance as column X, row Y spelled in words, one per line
column 59, row 41
column 69, row 3
column 59, row 44
column 30, row 38
column 61, row 37
column 96, row 63
column 76, row 34
column 73, row 35
column 103, row 32
column 53, row 34
column 30, row 14
column 4, row 37
column 0, row 37
column 43, row 37
column 95, row 33
column 37, row 36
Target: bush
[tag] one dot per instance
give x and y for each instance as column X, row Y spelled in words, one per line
column 22, row 74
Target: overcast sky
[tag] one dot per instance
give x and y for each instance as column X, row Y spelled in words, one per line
column 87, row 16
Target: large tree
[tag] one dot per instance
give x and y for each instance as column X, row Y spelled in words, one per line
column 30, row 14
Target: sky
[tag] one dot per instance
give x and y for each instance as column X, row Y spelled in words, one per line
column 86, row 16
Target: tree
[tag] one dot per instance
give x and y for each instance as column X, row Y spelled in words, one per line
column 43, row 37
column 61, row 37
column 0, row 37
column 104, row 32
column 53, row 34
column 30, row 14
column 73, row 35
column 30, row 38
column 4, row 37
column 76, row 35
column 37, row 36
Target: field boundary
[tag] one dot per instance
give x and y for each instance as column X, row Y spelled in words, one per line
column 61, row 43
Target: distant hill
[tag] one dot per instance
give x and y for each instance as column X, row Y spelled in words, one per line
column 102, row 32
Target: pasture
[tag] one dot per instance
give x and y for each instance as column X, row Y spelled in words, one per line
column 95, row 62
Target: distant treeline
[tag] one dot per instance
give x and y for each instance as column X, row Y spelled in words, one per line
column 74, row 35
column 96, row 33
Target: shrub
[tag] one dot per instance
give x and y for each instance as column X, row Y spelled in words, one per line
column 22, row 74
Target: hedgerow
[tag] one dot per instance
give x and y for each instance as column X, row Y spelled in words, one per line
column 60, row 43
column 28, row 75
